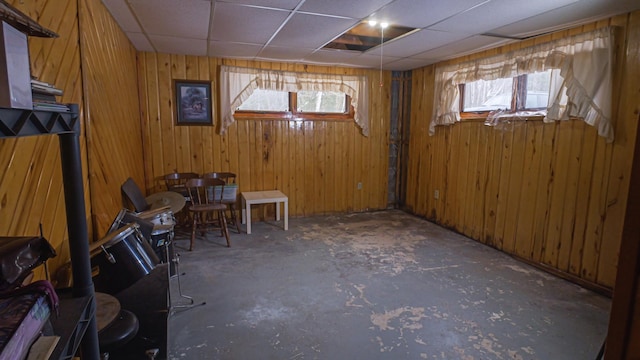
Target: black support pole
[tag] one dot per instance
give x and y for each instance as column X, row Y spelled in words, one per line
column 78, row 235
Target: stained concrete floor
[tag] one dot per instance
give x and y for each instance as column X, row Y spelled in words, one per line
column 381, row 285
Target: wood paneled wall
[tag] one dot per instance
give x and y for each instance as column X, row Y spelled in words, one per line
column 318, row 164
column 112, row 112
column 31, row 190
column 553, row 194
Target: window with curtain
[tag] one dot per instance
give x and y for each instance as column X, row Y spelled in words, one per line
column 300, row 105
column 561, row 79
column 244, row 89
column 529, row 92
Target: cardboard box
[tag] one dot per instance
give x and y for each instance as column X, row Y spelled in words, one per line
column 230, row 192
column 15, row 72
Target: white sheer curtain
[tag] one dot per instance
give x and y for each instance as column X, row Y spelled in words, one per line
column 581, row 89
column 238, row 83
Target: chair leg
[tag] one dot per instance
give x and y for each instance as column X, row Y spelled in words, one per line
column 225, row 230
column 193, row 231
column 234, row 215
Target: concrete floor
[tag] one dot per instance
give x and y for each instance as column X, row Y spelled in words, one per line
column 383, row 285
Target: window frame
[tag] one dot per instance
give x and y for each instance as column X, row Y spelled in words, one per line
column 294, row 114
column 518, row 100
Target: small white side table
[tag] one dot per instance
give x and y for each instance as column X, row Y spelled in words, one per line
column 264, row 197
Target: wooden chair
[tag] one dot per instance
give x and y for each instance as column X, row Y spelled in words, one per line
column 228, row 178
column 206, row 209
column 176, row 182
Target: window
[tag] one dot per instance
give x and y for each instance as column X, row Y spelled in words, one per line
column 266, row 100
column 580, row 86
column 301, row 105
column 531, row 93
column 309, row 96
column 330, row 102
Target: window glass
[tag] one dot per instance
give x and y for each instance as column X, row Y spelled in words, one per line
column 538, row 85
column 489, row 95
column 321, row 102
column 266, row 100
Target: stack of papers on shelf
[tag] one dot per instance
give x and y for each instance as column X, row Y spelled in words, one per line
column 56, row 107
column 41, row 87
column 44, row 97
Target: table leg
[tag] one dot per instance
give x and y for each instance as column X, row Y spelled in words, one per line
column 248, row 217
column 286, row 214
column 244, row 210
column 277, row 211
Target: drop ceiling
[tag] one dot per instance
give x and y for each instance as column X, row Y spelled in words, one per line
column 297, row 30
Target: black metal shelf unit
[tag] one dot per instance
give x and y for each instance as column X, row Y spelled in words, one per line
column 19, row 123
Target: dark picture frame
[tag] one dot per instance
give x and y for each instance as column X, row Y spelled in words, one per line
column 193, row 102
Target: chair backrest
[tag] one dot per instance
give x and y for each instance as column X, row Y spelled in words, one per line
column 178, row 179
column 227, row 177
column 134, row 195
column 205, row 190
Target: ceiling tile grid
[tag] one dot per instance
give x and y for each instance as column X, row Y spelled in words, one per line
column 423, row 13
column 311, row 31
column 296, row 30
column 237, row 23
column 178, row 18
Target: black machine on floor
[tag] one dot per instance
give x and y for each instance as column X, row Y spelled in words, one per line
column 134, row 263
column 131, row 266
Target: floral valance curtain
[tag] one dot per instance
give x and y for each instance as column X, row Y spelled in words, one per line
column 581, row 89
column 238, row 83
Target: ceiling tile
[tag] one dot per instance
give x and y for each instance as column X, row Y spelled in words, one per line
column 483, row 18
column 284, row 53
column 462, row 47
column 407, row 64
column 276, row 4
column 311, row 31
column 370, row 61
column 235, row 50
column 179, row 18
column 241, row 28
column 123, row 16
column 353, row 8
column 331, row 56
column 140, row 41
column 237, row 23
column 568, row 16
column 422, row 13
column 174, row 45
column 416, row 43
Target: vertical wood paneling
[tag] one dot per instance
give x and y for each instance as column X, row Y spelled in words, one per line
column 549, row 193
column 473, row 214
column 543, row 250
column 112, row 106
column 318, row 164
column 493, row 187
column 504, row 176
column 557, row 188
column 529, row 200
column 515, row 187
column 31, row 184
column 628, row 74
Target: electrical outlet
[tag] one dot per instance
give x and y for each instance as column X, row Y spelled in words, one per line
column 436, row 194
column 359, row 186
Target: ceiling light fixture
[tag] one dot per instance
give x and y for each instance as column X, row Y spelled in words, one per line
column 383, row 26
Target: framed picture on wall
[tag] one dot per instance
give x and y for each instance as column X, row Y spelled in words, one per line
column 193, row 102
